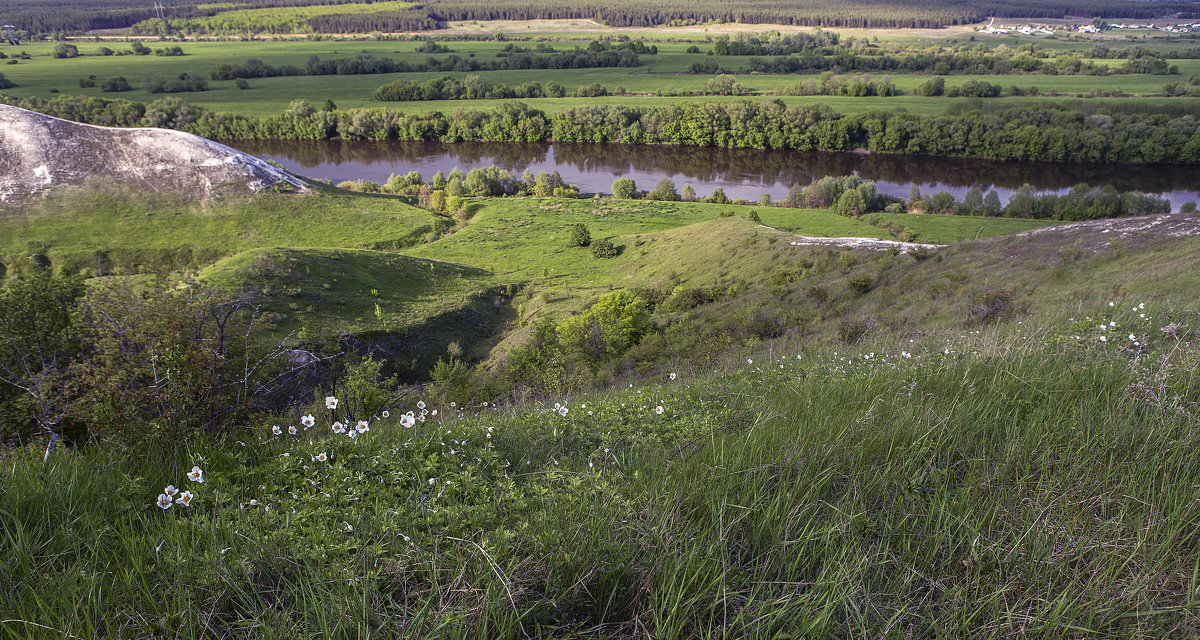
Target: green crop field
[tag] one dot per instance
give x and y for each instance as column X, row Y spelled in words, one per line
column 657, row 73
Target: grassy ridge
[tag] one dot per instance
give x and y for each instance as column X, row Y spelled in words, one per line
column 1018, row 482
column 408, row 309
column 102, row 232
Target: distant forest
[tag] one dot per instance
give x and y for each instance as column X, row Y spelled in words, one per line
column 72, row 16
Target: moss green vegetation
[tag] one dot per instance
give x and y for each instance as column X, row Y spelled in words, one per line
column 1018, row 479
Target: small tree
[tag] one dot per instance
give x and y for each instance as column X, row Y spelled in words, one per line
column 40, row 338
column 624, row 188
column 64, row 50
column 991, row 204
column 689, row 193
column 604, row 248
column 850, row 203
column 664, row 190
column 580, row 236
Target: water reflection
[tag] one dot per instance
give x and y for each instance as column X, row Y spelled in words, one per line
column 744, row 173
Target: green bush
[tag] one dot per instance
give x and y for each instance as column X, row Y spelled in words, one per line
column 604, row 248
column 624, row 188
column 580, row 236
column 113, row 85
column 860, row 284
column 64, row 50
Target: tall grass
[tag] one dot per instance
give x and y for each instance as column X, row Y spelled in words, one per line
column 1031, row 485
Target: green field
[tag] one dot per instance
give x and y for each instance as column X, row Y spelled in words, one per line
column 665, row 71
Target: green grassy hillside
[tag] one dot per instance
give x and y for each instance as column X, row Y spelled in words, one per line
column 1025, row 479
column 408, row 309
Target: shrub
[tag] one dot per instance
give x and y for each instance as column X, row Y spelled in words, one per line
column 1188, row 207
column 580, row 236
column 87, row 83
column 932, row 87
column 604, row 248
column 624, row 188
column 860, row 284
column 64, row 50
column 616, row 322
column 5, row 83
column 664, row 190
column 851, row 331
column 113, row 85
column 992, row 306
column 104, row 51
column 242, row 83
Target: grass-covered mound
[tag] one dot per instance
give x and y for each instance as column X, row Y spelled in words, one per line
column 408, row 309
column 1028, row 480
column 98, row 232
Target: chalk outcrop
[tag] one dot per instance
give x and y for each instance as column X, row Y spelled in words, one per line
column 38, row 152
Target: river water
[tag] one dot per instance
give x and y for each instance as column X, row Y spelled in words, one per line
column 742, row 173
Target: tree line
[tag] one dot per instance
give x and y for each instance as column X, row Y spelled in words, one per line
column 967, row 60
column 1057, row 133
column 363, row 64
column 75, row 16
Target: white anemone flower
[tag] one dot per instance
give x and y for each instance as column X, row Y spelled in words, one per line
column 276, row 430
column 434, row 412
column 330, row 402
column 562, row 411
column 1103, row 339
column 308, row 421
column 353, row 433
column 196, row 475
column 672, row 375
column 171, row 490
column 185, row 499
column 338, row 427
column 164, row 501
column 362, row 426
column 421, row 417
column 322, row 457
column 385, row 413
column 658, row 410
column 292, row 430
column 420, row 404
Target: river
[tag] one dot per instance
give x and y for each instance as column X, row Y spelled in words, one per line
column 742, row 173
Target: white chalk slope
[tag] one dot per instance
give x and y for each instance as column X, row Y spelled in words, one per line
column 38, row 151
